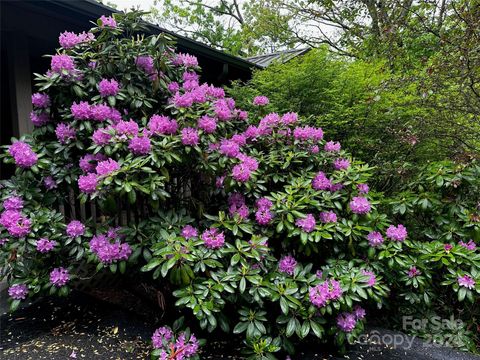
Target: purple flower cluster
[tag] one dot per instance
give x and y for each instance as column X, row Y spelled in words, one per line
column 162, row 125
column 328, row 217
column 107, row 167
column 307, row 224
column 242, row 171
column 39, row 119
column 75, row 228
column 397, row 233
column 363, row 188
column 469, row 246
column 108, row 87
column 332, row 146
column 287, row 265
column 341, row 164
column 140, row 145
column 329, row 290
column 372, row 279
column 207, row 124
column 23, row 154
column 65, row 133
column 49, row 183
column 321, row 182
column 108, row 21
column 308, row 133
column 40, row 100
column 413, row 272
column 186, row 60
column 88, row 183
column 213, row 238
column 88, row 163
column 190, row 136
column 189, row 232
column 62, row 63
column 101, row 112
column 237, row 206
column 260, row 101
column 229, row 148
column 289, row 118
column 12, row 219
column 109, row 248
column 375, row 238
column 466, row 281
column 59, row 276
column 263, row 215
column 161, row 337
column 347, row 321
column 45, row 245
column 18, row 291
column 68, row 39
column 223, row 109
column 179, row 348
column 360, row 205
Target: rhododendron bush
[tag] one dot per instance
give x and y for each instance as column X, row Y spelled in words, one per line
column 254, row 222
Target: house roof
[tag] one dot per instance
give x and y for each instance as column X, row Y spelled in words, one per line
column 282, row 56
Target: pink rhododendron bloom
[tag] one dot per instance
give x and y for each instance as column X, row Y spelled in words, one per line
column 162, row 125
column 223, row 109
column 49, row 183
column 87, row 183
column 45, row 245
column 161, row 337
column 140, row 145
column 332, row 146
column 64, row 133
column 13, row 203
column 213, row 238
column 397, row 233
column 413, row 272
column 39, row 119
column 327, row 291
column 207, row 124
column 190, row 136
column 108, row 21
column 106, row 167
column 289, row 118
column 447, row 247
column 145, row 63
column 372, row 280
column 16, row 224
column 88, row 163
column 100, row 112
column 108, row 87
column 360, row 205
column 18, row 291
column 23, row 154
column 307, row 224
column 240, row 139
column 375, row 238
column 40, row 100
column 237, row 206
column 469, row 246
column 466, row 281
column 346, row 322
column 108, row 248
column 363, row 188
column 186, row 60
column 229, row 148
column 359, row 312
column 102, row 136
column 287, row 265
column 260, row 101
column 328, row 217
column 341, row 164
column 62, row 63
column 263, row 215
column 75, row 228
column 68, row 39
column 81, row 111
column 321, row 182
column 308, row 133
column 59, row 276
column 250, row 162
column 189, row 232
column 173, row 87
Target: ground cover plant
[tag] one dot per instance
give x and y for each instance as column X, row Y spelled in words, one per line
column 254, row 222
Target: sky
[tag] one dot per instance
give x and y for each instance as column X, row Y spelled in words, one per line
column 127, row 4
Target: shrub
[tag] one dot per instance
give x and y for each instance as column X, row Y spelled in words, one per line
column 257, row 224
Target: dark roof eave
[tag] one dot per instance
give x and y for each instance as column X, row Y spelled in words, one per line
column 92, row 7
